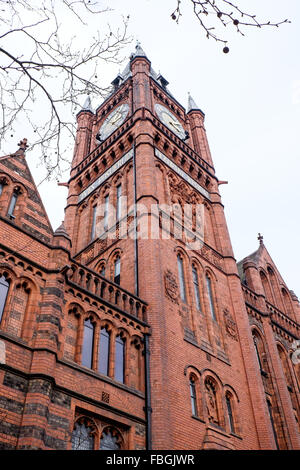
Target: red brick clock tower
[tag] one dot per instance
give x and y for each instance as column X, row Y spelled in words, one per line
column 156, row 154
column 144, row 338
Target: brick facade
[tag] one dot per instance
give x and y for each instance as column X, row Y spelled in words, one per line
column 111, row 342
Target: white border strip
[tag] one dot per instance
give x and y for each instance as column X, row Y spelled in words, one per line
column 182, row 173
column 115, row 167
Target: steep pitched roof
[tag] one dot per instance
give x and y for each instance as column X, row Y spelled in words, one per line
column 34, row 218
column 262, row 259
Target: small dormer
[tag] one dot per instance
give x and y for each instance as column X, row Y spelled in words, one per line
column 117, row 81
column 163, row 82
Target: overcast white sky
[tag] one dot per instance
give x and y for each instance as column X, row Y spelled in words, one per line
column 251, row 98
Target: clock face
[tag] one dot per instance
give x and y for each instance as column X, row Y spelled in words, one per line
column 113, row 121
column 170, row 120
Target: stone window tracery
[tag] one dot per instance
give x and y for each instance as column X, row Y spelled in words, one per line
column 110, row 439
column 213, row 412
column 83, row 435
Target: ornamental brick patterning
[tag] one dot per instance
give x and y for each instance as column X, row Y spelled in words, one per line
column 90, row 323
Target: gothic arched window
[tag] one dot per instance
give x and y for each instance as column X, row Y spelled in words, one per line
column 93, row 228
column 272, row 421
column 119, row 200
column 212, row 402
column 17, row 316
column 228, row 399
column 102, row 270
column 193, row 395
column 210, row 298
column 71, row 343
column 181, row 278
column 106, row 207
column 1, row 188
column 196, row 287
column 12, row 204
column 88, row 342
column 256, row 346
column 287, row 302
column 117, row 270
column 4, row 286
column 110, row 440
column 82, row 437
column 266, row 287
column 120, row 359
column 104, row 351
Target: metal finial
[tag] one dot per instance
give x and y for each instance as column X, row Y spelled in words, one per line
column 260, row 238
column 23, row 144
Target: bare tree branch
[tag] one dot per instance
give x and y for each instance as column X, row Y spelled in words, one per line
column 221, row 13
column 45, row 74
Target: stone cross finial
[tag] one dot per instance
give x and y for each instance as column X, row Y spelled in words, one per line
column 260, row 238
column 23, row 144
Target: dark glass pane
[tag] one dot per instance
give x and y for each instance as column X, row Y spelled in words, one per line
column 106, row 201
column 12, row 204
column 210, row 297
column 104, row 352
column 181, row 278
column 93, row 230
column 117, row 271
column 272, row 422
column 119, row 359
column 102, row 272
column 257, row 353
column 4, row 285
column 81, row 438
column 230, row 416
column 196, row 288
column 1, row 188
column 193, row 398
column 87, row 347
column 108, row 442
column 119, row 194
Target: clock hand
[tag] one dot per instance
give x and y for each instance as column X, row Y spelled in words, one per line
column 175, row 125
column 116, row 118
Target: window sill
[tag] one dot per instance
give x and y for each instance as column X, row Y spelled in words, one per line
column 101, row 377
column 223, row 431
column 198, row 419
column 236, row 435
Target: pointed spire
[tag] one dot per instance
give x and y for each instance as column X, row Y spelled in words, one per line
column 61, row 230
column 139, row 52
column 126, row 72
column 87, row 106
column 191, row 103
